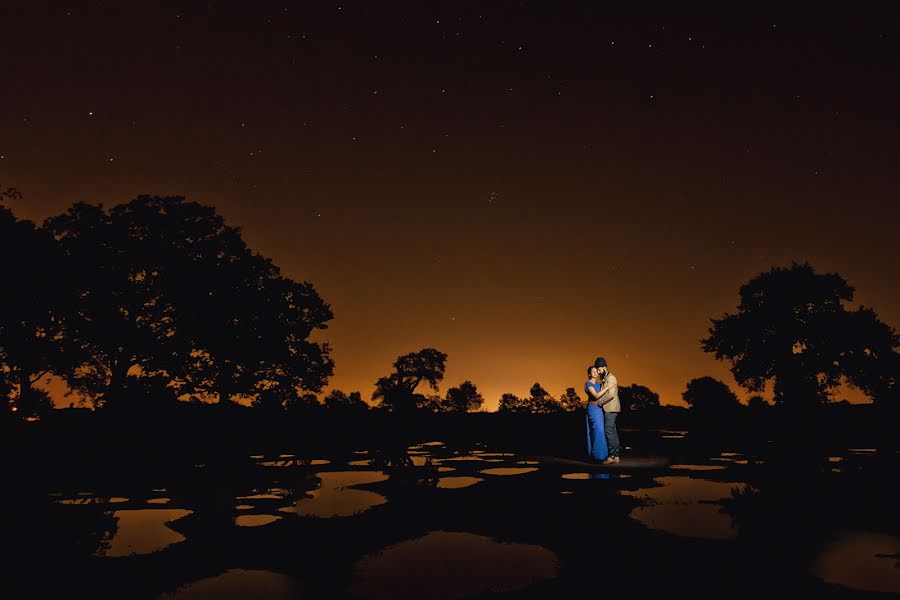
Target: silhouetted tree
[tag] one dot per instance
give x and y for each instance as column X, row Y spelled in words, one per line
column 396, row 392
column 464, row 398
column 785, row 330
column 337, row 400
column 870, row 359
column 297, row 403
column 757, row 403
column 249, row 326
column 167, row 288
column 541, row 402
column 510, row 403
column 571, row 401
column 122, row 320
column 638, row 399
column 710, row 400
column 33, row 303
column 433, row 403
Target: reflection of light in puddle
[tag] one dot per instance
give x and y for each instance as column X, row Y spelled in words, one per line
column 144, row 531
column 835, row 459
column 732, row 454
column 730, row 459
column 272, row 494
column 158, row 501
column 243, row 507
column 238, row 584
column 289, row 461
column 451, row 565
column 255, row 520
column 590, row 476
column 445, row 469
column 677, row 509
column 527, row 462
column 508, row 470
column 94, row 500
column 478, row 458
column 360, row 463
column 863, row 450
column 335, row 497
column 851, row 561
column 699, row 467
column 452, row 483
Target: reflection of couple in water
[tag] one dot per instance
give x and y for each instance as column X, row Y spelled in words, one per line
column 603, row 407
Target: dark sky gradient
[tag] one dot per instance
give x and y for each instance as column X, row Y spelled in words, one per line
column 522, row 185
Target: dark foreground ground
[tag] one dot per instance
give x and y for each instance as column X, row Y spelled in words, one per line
column 438, row 518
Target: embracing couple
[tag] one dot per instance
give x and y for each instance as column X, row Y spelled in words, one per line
column 603, row 407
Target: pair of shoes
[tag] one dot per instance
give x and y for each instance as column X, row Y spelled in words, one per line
column 609, row 461
column 615, row 458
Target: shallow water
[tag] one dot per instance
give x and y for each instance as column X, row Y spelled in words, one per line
column 444, row 565
column 686, row 500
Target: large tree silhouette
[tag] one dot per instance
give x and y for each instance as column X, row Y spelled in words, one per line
column 790, row 327
column 638, row 398
column 510, row 403
column 397, row 391
column 464, row 398
column 167, row 288
column 711, row 400
column 540, row 401
column 570, row 400
column 33, row 303
column 122, row 321
column 870, row 359
column 341, row 402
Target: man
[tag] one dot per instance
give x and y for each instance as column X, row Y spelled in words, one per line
column 609, row 400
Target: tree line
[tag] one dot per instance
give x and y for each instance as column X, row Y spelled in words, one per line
column 158, row 299
column 151, row 300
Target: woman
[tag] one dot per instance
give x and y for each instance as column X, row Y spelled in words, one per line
column 596, row 438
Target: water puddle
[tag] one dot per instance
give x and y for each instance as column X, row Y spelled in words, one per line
column 144, row 531
column 239, row 584
column 861, row 560
column 508, row 470
column 336, row 496
column 255, row 520
column 699, row 467
column 683, row 506
column 452, row 483
column 451, row 565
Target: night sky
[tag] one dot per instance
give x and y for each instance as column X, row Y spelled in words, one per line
column 521, row 185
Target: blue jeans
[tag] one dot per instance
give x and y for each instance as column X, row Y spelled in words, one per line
column 596, row 436
column 612, row 434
